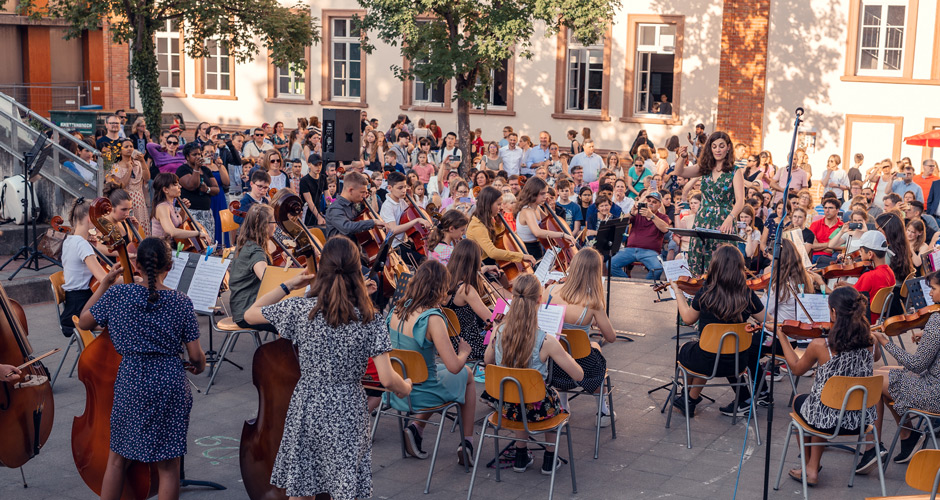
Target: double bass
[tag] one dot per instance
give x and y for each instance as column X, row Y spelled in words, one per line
column 508, row 240
column 97, row 370
column 564, row 248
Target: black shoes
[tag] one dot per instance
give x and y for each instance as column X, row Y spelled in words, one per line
column 549, row 463
column 522, row 460
column 869, row 460
column 908, row 445
column 679, row 403
column 744, row 409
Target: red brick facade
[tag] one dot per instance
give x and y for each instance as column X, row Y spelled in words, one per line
column 117, row 89
column 742, row 74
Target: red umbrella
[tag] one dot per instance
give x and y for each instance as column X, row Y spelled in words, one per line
column 930, row 139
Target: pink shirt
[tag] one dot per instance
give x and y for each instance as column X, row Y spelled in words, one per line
column 424, row 172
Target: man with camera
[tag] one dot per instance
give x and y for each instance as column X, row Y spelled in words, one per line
column 646, row 238
column 823, row 228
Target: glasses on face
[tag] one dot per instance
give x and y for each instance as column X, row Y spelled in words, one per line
column 261, row 186
column 114, row 123
column 259, row 135
column 275, row 160
column 172, row 143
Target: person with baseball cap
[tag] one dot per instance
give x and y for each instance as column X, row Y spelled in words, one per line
column 874, row 247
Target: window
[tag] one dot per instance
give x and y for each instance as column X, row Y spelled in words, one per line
column 497, row 94
column 881, row 37
column 291, row 82
column 346, row 73
column 169, row 60
column 585, row 78
column 655, row 62
column 428, row 93
column 217, row 78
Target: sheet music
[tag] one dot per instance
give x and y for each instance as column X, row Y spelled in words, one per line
column 796, row 236
column 551, row 317
column 172, row 279
column 674, row 269
column 925, row 289
column 207, row 278
column 817, row 305
column 934, row 259
column 545, row 266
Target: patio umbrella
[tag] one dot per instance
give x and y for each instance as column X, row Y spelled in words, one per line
column 930, row 139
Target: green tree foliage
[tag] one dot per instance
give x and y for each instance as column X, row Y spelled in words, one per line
column 243, row 25
column 465, row 40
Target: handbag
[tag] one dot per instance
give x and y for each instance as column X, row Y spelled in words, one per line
column 50, row 244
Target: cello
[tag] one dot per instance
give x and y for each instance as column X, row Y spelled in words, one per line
column 418, row 233
column 281, row 255
column 565, row 250
column 197, row 244
column 287, row 212
column 508, row 240
column 97, row 370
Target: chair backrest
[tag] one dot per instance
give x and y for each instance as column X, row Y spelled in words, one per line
column 57, row 279
column 880, row 301
column 228, row 221
column 904, row 284
column 274, row 276
column 719, row 338
column 576, row 342
column 409, row 364
column 923, row 473
column 318, row 235
column 450, row 319
column 849, row 393
column 84, row 336
column 499, row 383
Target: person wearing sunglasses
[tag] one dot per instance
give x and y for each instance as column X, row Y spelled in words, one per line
column 257, row 145
column 167, row 156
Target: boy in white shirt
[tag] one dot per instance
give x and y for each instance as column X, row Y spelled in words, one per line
column 394, row 205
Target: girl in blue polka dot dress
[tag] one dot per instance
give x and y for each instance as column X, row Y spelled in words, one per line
column 148, row 324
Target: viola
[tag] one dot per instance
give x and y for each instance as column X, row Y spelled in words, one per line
column 798, row 329
column 418, row 233
column 287, row 212
column 759, row 283
column 686, row 284
column 97, row 370
column 508, row 240
column 565, row 250
column 854, row 266
column 198, row 243
column 896, row 325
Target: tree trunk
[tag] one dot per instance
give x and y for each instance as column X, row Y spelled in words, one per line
column 463, row 135
column 144, row 70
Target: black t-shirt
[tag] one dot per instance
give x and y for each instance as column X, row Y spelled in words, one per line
column 103, row 143
column 706, row 317
column 316, row 188
column 197, row 199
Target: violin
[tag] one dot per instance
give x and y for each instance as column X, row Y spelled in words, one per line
column 852, row 266
column 106, row 263
column 198, row 243
column 896, row 325
column 798, row 329
column 97, row 370
column 565, row 248
column 508, row 240
column 759, row 283
column 686, row 284
column 418, row 233
column 27, row 409
column 287, row 212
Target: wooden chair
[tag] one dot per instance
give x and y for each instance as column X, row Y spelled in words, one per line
column 880, row 304
column 520, row 386
column 924, row 420
column 232, row 332
column 57, row 281
column 842, row 394
column 85, row 337
column 578, row 345
column 318, row 235
column 718, row 339
column 411, row 364
column 228, row 223
column 923, row 473
column 453, row 324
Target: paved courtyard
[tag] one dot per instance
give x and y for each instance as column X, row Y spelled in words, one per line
column 646, row 460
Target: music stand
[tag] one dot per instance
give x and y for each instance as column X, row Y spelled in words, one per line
column 607, row 242
column 703, row 234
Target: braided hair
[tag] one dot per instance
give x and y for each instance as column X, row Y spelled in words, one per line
column 153, row 257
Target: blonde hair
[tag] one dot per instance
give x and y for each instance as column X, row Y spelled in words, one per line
column 255, row 227
column 584, row 278
column 517, row 335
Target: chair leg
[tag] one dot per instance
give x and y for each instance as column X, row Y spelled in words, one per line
column 401, row 434
column 931, row 434
column 226, row 344
column 75, row 363
column 378, row 415
column 574, row 481
column 901, row 424
column 610, row 404
column 551, row 484
column 476, row 460
column 496, row 447
column 783, row 456
column 881, row 472
column 794, row 381
column 257, row 339
column 72, row 340
column 685, row 398
column 437, row 444
column 597, row 423
column 803, row 452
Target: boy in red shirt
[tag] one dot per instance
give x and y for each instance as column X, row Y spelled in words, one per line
column 874, row 247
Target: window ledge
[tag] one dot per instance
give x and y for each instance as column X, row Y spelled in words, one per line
column 494, row 112
column 344, row 104
column 173, row 94
column 888, row 79
column 216, row 96
column 428, row 109
column 643, row 119
column 602, row 117
column 281, row 100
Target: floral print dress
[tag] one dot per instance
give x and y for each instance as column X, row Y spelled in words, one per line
column 717, row 201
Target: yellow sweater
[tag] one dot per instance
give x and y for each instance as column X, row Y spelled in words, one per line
column 477, row 232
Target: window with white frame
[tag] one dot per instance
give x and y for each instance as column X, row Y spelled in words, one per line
column 291, row 82
column 217, row 69
column 428, row 93
column 881, row 37
column 654, row 70
column 168, row 56
column 347, row 61
column 497, row 94
column 585, row 81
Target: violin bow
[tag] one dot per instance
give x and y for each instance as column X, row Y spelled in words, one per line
column 796, row 296
column 491, row 286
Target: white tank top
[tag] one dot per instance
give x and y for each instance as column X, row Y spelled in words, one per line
column 525, row 234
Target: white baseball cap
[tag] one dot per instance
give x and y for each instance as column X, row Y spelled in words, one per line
column 875, row 240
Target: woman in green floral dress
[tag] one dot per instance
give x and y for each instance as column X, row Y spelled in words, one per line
column 722, row 194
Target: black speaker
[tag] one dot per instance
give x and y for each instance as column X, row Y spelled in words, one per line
column 342, row 135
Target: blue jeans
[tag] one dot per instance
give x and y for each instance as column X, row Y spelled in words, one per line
column 644, row 256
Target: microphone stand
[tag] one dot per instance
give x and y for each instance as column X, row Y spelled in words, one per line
column 776, row 275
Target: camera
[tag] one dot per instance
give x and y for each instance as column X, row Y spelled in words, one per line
column 640, row 206
column 855, row 226
column 224, row 137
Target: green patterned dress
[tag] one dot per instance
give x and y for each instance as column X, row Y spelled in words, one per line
column 717, row 202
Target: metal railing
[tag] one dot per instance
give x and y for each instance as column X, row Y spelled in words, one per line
column 20, row 127
column 65, row 96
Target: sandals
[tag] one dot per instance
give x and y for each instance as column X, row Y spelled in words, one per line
column 797, row 475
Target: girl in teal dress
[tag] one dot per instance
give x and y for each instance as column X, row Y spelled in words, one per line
column 416, row 323
column 722, row 194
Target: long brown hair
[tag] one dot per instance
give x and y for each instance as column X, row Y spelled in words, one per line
column 255, row 228
column 517, row 335
column 450, row 220
column 725, row 293
column 584, row 286
column 485, row 200
column 851, row 329
column 427, row 289
column 896, row 235
column 529, row 194
column 464, row 265
column 339, row 286
column 706, row 160
column 791, row 271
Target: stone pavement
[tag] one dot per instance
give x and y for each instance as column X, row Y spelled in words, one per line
column 645, row 461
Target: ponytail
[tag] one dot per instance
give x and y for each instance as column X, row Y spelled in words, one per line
column 851, row 329
column 450, row 220
column 517, row 337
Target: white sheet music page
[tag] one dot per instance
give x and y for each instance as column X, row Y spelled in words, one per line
column 817, row 305
column 172, row 279
column 551, row 318
column 545, row 266
column 675, row 269
column 207, row 278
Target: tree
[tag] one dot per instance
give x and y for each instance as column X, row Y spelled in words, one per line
column 241, row 24
column 466, row 40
